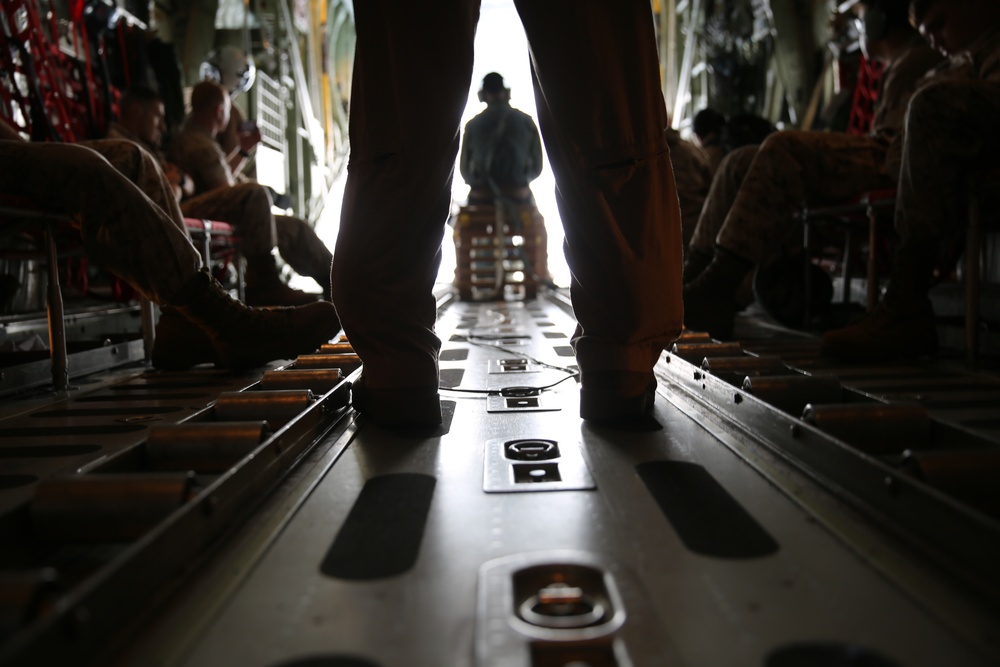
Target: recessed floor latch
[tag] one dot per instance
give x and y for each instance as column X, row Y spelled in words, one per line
column 531, row 450
column 566, row 608
column 534, row 464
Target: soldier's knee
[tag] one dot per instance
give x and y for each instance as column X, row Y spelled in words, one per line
column 738, row 160
column 780, row 142
column 102, row 162
column 254, row 195
column 125, row 156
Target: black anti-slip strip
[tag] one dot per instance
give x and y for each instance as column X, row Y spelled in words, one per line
column 451, row 377
column 826, row 654
column 381, row 536
column 455, row 354
column 708, row 520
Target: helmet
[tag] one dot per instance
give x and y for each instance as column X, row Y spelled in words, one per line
column 230, row 67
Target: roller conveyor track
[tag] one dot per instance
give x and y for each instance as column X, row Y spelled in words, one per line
column 729, row 531
column 113, row 491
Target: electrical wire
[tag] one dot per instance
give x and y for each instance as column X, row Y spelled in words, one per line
column 521, row 390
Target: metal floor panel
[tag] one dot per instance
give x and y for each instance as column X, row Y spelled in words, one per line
column 834, row 588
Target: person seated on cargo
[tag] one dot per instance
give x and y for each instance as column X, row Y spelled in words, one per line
column 501, row 149
column 219, row 195
column 951, row 130
column 126, row 233
column 748, row 218
column 501, row 155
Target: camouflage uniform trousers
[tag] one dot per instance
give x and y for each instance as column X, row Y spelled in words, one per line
column 751, row 205
column 142, row 168
column 123, row 230
column 951, row 130
column 302, row 250
column 246, row 206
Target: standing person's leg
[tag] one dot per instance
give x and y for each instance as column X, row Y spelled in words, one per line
column 601, row 114
column 412, row 72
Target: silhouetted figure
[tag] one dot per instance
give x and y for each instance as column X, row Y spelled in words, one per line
column 602, row 116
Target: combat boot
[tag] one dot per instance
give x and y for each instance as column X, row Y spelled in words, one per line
column 611, row 398
column 884, row 335
column 710, row 299
column 179, row 344
column 266, row 288
column 415, row 409
column 903, row 324
column 245, row 337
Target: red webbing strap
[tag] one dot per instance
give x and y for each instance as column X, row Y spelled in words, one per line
column 865, row 97
column 90, row 84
